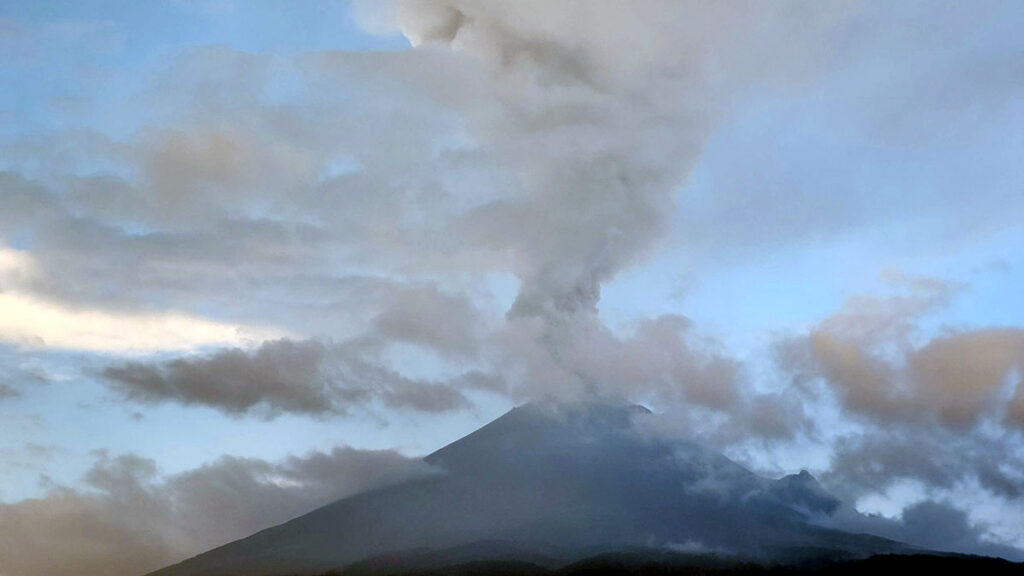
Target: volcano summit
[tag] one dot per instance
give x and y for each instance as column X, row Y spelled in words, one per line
column 552, row 485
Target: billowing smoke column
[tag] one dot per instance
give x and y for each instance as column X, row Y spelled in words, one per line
column 596, row 112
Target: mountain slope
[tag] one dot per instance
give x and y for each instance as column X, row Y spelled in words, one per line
column 558, row 482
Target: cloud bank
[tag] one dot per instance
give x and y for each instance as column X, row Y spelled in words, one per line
column 301, row 377
column 129, row 520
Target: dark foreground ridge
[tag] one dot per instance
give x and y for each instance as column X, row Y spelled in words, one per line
column 554, row 490
column 653, row 564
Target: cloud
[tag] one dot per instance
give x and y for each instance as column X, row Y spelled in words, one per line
column 519, row 139
column 32, row 322
column 426, row 316
column 301, row 377
column 599, row 119
column 962, row 374
column 936, row 408
column 663, row 357
column 130, row 520
column 930, row 525
column 15, row 267
column 867, row 353
column 872, row 461
column 943, row 527
column 283, row 374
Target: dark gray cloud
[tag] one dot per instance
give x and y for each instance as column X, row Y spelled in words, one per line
column 303, row 377
column 283, row 375
column 129, row 520
column 940, row 526
column 869, row 462
column 931, row 525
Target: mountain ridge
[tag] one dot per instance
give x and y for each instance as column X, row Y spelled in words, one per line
column 556, row 481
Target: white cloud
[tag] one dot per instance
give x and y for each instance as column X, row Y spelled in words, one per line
column 31, row 321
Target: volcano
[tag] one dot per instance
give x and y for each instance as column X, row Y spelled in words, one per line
column 551, row 485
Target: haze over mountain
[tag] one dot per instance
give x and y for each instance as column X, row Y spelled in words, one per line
column 556, row 483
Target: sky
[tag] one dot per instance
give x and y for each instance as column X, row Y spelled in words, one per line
column 275, row 252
